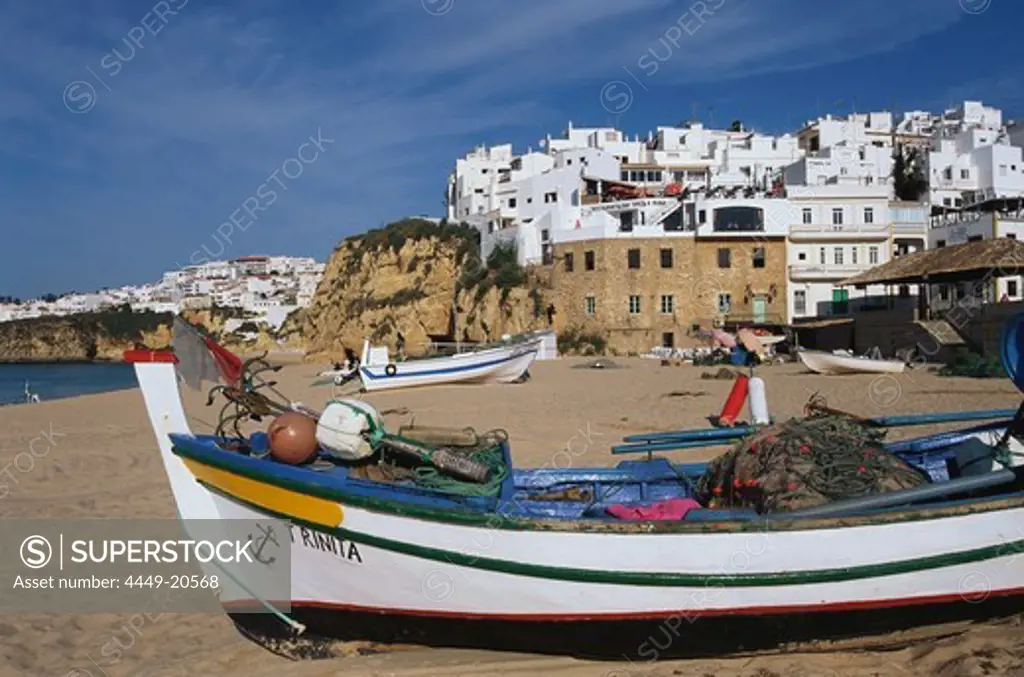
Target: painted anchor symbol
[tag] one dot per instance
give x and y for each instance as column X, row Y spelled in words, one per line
column 268, row 536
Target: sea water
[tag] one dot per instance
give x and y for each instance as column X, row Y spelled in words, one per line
column 53, row 381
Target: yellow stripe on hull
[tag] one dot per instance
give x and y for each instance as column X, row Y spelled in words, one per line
column 281, row 501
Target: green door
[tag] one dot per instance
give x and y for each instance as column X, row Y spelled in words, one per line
column 840, row 301
column 760, row 309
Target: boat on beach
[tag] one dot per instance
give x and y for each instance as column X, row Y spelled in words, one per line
column 505, row 363
column 822, row 362
column 545, row 549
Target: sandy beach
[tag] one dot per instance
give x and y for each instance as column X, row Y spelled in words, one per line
column 100, row 461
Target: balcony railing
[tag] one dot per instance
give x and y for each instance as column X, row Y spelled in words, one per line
column 827, row 271
column 844, row 230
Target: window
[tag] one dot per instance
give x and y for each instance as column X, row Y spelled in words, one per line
column 634, row 305
column 821, row 256
column 944, row 292
column 633, row 258
column 724, row 303
column 1002, row 170
column 904, row 291
column 869, row 215
column 873, row 255
column 739, row 219
column 808, row 215
column 626, row 222
column 666, row 258
column 483, row 171
column 568, row 258
column 802, row 256
column 588, row 260
column 853, row 255
column 529, row 200
column 724, row 258
column 624, row 175
column 800, row 302
column 702, row 216
column 974, row 238
column 668, row 304
column 668, row 340
column 837, row 216
column 957, row 202
column 837, row 255
column 568, row 162
column 940, row 244
column 1011, row 288
column 965, row 173
column 948, row 173
column 759, row 257
column 1011, row 236
column 550, row 197
column 946, row 202
column 590, row 305
column 545, row 234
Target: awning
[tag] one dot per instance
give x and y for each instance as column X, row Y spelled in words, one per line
column 998, row 257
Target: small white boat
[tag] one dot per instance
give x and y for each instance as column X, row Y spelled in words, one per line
column 502, row 364
column 832, row 363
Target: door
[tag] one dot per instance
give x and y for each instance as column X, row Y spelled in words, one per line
column 840, row 301
column 760, row 309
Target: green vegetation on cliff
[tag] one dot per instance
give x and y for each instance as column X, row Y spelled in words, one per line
column 394, row 235
column 118, row 323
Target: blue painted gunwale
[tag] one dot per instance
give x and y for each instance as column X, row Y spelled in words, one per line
column 653, row 480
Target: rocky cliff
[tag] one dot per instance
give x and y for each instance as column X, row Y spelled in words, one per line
column 88, row 336
column 422, row 282
column 105, row 335
column 413, row 280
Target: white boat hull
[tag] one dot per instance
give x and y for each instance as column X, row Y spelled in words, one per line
column 829, row 363
column 495, row 365
column 460, row 573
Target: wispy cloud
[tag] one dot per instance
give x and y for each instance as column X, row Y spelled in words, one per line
column 204, row 109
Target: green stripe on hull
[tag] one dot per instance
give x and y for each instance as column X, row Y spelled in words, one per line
column 498, row 521
column 673, row 580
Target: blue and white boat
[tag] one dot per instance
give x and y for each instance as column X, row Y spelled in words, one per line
column 537, row 549
column 378, row 370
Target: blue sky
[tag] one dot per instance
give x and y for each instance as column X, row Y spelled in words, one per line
column 130, row 131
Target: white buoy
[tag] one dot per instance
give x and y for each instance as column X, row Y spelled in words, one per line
column 758, row 402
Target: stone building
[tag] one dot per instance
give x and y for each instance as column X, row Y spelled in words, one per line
column 651, row 291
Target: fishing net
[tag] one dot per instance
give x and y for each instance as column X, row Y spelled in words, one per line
column 486, row 449
column 802, row 463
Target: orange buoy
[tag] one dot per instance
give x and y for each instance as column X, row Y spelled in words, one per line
column 292, row 438
column 734, row 404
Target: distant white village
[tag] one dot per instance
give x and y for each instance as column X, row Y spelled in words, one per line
column 264, row 288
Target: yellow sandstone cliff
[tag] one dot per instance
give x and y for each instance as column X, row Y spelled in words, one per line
column 419, row 280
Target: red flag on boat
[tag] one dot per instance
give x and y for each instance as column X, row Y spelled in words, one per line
column 200, row 358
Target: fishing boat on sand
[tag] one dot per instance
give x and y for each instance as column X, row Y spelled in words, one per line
column 821, row 362
column 505, row 363
column 466, row 544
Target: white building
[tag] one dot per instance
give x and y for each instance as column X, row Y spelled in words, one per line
column 971, row 159
column 538, row 199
